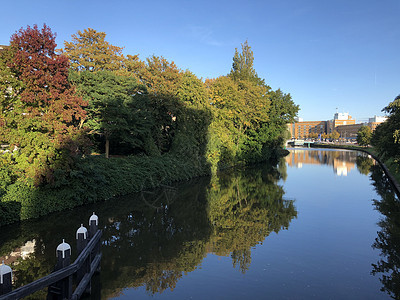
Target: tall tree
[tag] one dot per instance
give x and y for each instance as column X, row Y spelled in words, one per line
column 193, row 118
column 243, row 65
column 162, row 79
column 117, row 109
column 44, row 117
column 89, row 51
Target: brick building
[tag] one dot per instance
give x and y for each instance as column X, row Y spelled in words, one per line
column 343, row 123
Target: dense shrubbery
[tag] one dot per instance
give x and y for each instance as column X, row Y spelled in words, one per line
column 164, row 124
column 94, row 179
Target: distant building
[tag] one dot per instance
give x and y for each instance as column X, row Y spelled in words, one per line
column 341, row 119
column 348, row 132
column 343, row 123
column 302, row 130
column 375, row 121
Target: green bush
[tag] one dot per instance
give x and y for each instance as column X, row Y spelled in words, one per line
column 94, row 179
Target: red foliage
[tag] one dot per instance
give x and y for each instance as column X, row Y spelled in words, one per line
column 45, row 123
column 47, row 94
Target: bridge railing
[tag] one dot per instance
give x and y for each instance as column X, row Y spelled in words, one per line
column 60, row 282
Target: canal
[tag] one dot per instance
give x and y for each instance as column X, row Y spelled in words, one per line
column 323, row 224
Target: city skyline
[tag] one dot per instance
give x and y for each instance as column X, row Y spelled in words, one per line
column 327, row 55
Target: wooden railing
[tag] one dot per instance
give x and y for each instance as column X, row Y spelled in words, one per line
column 60, row 282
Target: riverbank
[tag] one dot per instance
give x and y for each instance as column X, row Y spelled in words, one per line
column 95, row 179
column 390, row 168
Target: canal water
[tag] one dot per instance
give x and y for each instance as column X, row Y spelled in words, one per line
column 322, row 224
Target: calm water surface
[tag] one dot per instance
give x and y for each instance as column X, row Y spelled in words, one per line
column 322, row 225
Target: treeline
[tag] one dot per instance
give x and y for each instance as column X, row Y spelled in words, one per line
column 60, row 107
column 386, row 137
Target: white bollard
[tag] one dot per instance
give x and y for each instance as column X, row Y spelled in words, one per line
column 5, row 279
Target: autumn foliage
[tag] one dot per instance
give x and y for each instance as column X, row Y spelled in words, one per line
column 42, row 123
column 165, row 122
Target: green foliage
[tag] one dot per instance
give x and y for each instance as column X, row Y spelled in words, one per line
column 118, row 108
column 242, row 66
column 94, row 179
column 386, row 137
column 364, row 135
column 192, row 119
column 185, row 126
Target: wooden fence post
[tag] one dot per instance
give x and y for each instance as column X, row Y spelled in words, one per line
column 81, row 243
column 81, row 238
column 5, row 279
column 63, row 288
column 93, row 225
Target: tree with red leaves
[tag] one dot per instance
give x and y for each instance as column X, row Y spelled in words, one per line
column 42, row 125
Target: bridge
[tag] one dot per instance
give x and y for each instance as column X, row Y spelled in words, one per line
column 300, row 143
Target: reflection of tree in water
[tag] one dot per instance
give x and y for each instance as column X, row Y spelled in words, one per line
column 156, row 242
column 364, row 164
column 244, row 209
column 388, row 240
column 151, row 241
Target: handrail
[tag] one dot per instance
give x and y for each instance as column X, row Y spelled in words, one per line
column 52, row 278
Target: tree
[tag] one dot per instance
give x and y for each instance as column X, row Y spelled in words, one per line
column 162, row 79
column 89, row 51
column 364, row 135
column 193, row 118
column 386, row 137
column 117, row 109
column 334, row 135
column 242, row 66
column 273, row 133
column 43, row 116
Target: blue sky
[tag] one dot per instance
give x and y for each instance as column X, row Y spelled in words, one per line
column 326, row 54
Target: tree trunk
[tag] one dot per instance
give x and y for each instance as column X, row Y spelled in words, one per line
column 107, row 147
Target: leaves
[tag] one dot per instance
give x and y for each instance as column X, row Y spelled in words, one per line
column 364, row 135
column 42, row 112
column 89, row 51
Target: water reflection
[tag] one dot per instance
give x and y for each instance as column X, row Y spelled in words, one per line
column 153, row 239
column 342, row 161
column 388, row 240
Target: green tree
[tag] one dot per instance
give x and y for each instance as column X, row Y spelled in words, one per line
column 243, row 65
column 273, row 133
column 364, row 135
column 162, row 79
column 192, row 120
column 117, row 109
column 386, row 137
